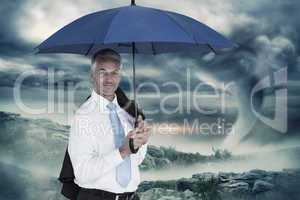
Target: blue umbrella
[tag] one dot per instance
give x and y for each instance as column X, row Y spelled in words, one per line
column 135, row 29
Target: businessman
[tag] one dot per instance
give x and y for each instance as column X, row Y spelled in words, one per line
column 105, row 163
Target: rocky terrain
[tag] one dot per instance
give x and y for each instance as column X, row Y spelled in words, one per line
column 163, row 157
column 17, row 183
column 255, row 184
column 32, row 151
column 33, row 140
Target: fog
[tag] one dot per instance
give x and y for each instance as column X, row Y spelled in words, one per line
column 273, row 154
column 270, row 159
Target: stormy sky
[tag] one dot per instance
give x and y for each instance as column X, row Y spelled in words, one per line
column 266, row 32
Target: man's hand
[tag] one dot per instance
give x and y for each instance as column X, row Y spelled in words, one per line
column 140, row 136
column 142, row 133
column 125, row 149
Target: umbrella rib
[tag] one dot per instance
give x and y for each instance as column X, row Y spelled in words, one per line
column 110, row 24
column 92, row 45
column 212, row 48
column 153, row 49
column 180, row 26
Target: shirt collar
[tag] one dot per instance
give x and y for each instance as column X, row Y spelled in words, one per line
column 103, row 102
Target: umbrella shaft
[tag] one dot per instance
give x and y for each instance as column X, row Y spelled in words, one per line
column 134, row 83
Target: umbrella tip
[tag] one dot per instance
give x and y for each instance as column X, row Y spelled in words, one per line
column 133, row 2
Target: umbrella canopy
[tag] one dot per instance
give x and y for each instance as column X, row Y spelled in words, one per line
column 153, row 31
column 135, row 29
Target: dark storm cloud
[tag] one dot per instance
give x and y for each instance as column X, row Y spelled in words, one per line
column 270, row 38
column 267, row 43
column 274, row 43
column 65, row 69
column 10, row 42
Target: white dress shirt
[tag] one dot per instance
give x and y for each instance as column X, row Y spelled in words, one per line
column 92, row 150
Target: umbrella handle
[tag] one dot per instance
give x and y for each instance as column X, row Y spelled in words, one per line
column 131, row 146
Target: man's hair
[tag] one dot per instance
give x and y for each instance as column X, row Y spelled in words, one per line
column 106, row 55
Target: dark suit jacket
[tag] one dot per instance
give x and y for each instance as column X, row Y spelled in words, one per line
column 69, row 188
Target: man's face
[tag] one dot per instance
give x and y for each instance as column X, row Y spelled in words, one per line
column 106, row 77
